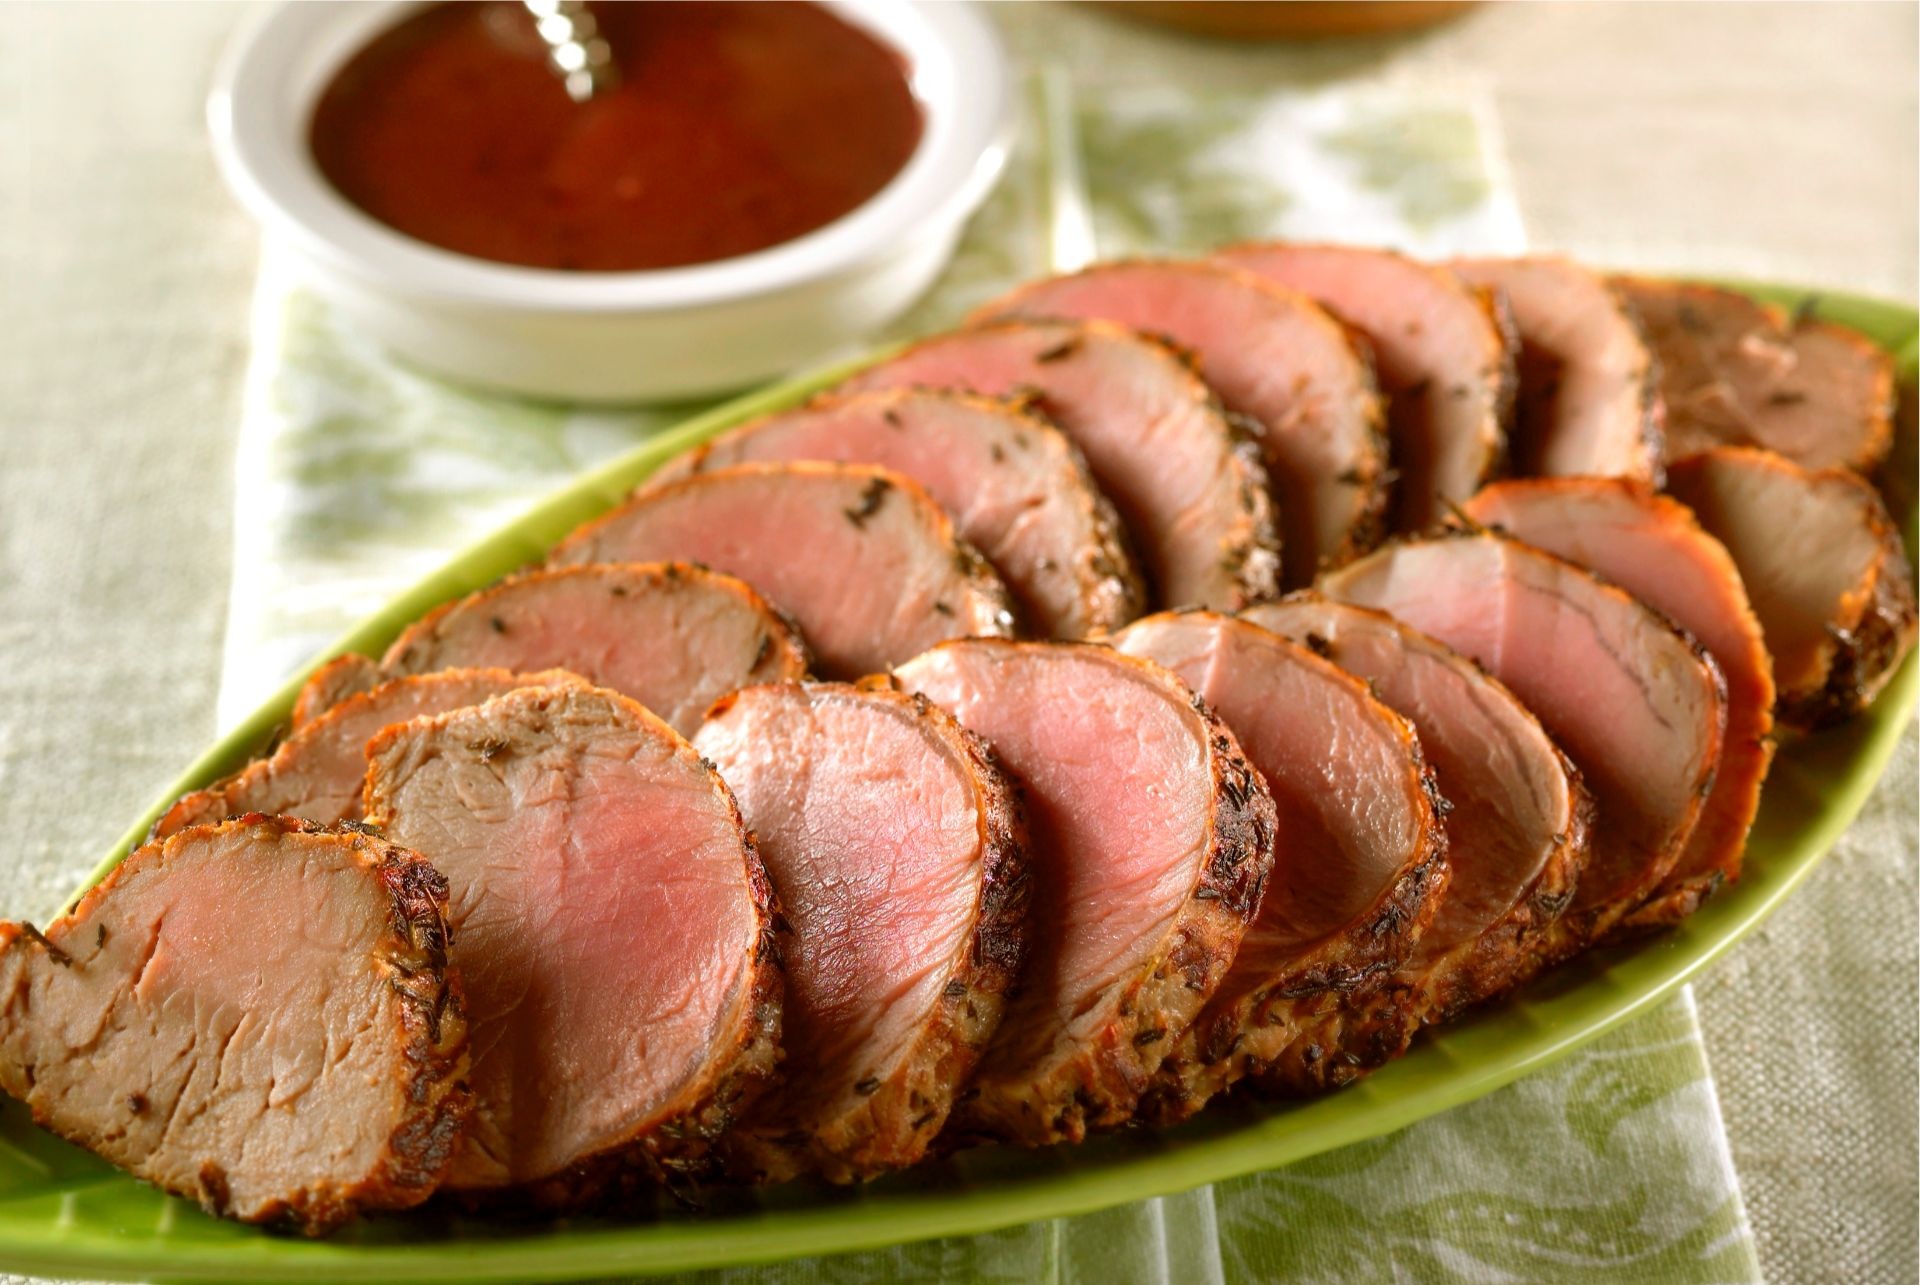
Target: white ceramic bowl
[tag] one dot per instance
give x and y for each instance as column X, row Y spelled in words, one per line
column 614, row 336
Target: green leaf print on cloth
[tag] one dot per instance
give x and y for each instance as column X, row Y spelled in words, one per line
column 1167, row 182
column 357, row 475
column 1421, row 164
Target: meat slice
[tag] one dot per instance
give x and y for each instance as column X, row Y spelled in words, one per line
column 1589, row 403
column 1275, row 357
column 1518, row 816
column 1152, row 841
column 256, row 1015
column 1639, row 706
column 1439, row 349
column 897, row 846
column 1824, row 566
column 861, row 558
column 1738, row 372
column 333, row 682
column 1014, row 484
column 612, row 924
column 316, row 773
column 1652, row 547
column 1357, row 875
column 1188, row 483
column 673, row 636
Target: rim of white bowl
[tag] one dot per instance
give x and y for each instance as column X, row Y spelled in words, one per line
column 278, row 63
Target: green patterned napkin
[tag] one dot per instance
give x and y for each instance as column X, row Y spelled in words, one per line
column 357, row 475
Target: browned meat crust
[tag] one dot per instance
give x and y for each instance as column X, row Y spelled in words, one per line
column 433, row 1017
column 1321, row 1023
column 1512, row 951
column 316, row 772
column 425, row 1012
column 1867, row 652
column 343, row 676
column 423, row 646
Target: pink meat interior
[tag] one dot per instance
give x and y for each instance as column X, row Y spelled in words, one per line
column 1120, row 799
column 872, row 836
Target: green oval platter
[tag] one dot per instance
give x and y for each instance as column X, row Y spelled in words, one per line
column 65, row 1213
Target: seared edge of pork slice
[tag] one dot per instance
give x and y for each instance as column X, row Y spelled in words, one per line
column 270, row 784
column 1312, row 1025
column 1206, row 937
column 1589, row 388
column 1100, row 1085
column 1325, row 448
column 1869, row 626
column 1443, row 352
column 1652, row 546
column 453, row 634
column 345, row 675
column 901, row 1113
column 1031, row 504
column 1336, row 1008
column 1437, row 985
column 421, row 1004
column 1219, row 548
column 676, row 1146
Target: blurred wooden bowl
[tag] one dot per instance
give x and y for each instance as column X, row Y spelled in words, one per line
column 1287, row 19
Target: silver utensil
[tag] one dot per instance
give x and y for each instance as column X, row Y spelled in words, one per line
column 576, row 50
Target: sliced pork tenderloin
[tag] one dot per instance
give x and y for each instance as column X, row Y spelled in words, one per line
column 614, row 928
column 674, row 636
column 1518, row 816
column 1824, row 567
column 1152, row 840
column 861, row 558
column 317, row 772
column 1015, row 486
column 1441, row 353
column 898, row 849
column 1637, row 704
column 1188, row 483
column 334, row 681
column 1589, row 400
column 257, row 1015
column 1651, row 546
column 1359, row 866
column 1738, row 372
column 1275, row 357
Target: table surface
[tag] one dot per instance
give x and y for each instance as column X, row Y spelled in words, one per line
column 1775, row 141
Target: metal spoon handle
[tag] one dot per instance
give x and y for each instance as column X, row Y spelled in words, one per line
column 575, row 48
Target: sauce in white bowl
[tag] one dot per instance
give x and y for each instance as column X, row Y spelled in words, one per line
column 676, row 331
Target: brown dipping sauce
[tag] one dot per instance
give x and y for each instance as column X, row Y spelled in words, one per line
column 736, row 126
